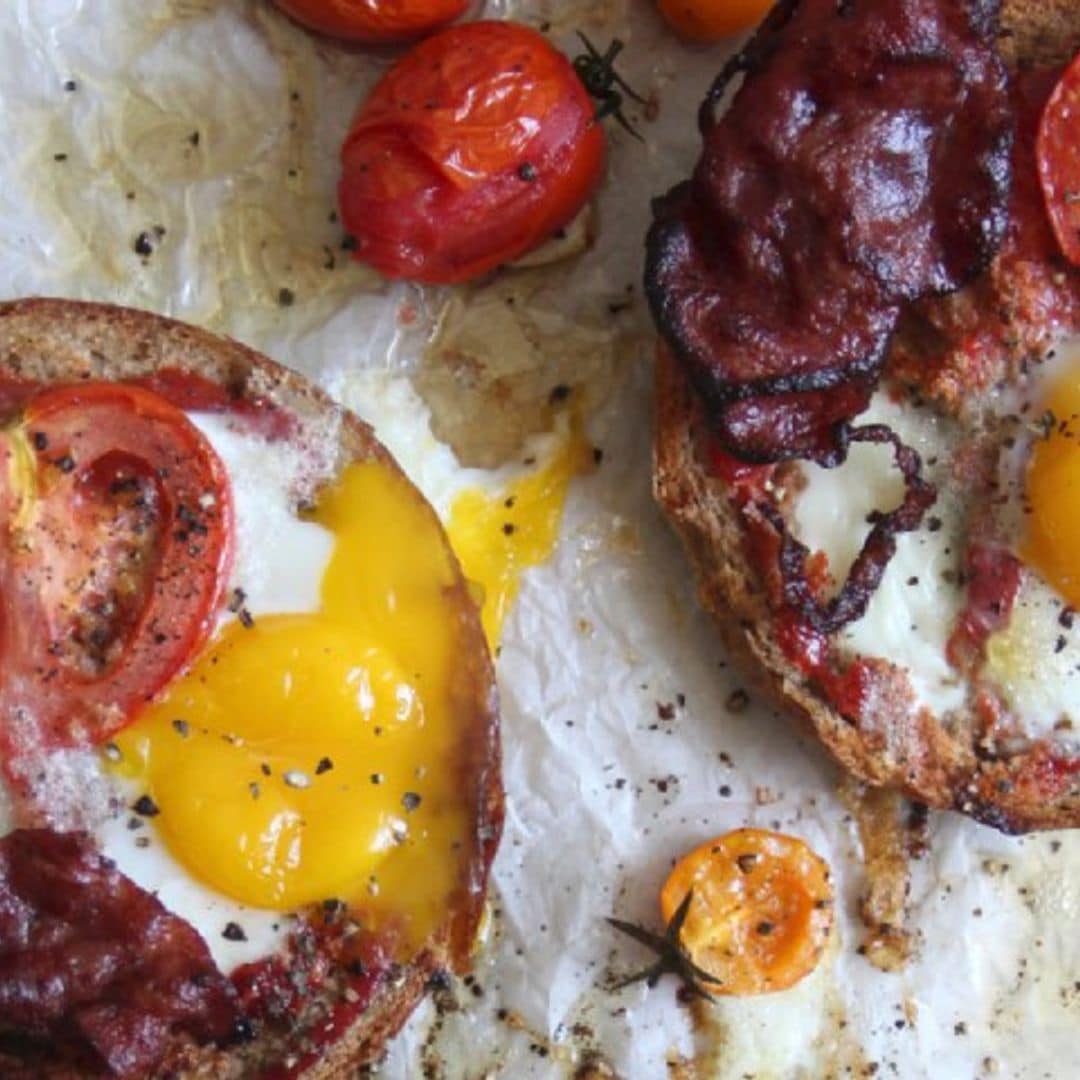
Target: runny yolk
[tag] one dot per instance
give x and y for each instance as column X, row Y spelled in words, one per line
column 318, row 756
column 498, row 537
column 1052, row 538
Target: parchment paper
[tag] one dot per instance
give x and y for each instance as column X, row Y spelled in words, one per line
column 213, row 128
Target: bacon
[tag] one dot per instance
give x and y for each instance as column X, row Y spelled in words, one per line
column 863, row 163
column 851, row 601
column 91, row 963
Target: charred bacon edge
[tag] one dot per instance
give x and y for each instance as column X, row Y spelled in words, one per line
column 866, row 571
column 718, row 392
column 754, row 53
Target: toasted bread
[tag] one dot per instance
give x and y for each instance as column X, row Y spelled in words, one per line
column 51, row 341
column 936, row 760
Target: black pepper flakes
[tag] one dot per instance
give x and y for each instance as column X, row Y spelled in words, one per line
column 233, row 932
column 143, row 245
column 144, row 806
column 527, row 171
column 410, row 800
column 324, row 766
column 286, row 297
column 41, row 440
column 181, row 727
column 737, row 701
column 71, row 86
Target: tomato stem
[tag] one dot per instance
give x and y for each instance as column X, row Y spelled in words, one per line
column 671, row 957
column 599, row 77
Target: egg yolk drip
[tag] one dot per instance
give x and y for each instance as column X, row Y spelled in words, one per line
column 310, row 757
column 1052, row 537
column 498, row 537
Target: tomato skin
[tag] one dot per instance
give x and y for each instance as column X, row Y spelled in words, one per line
column 761, row 912
column 371, row 22
column 712, row 20
column 475, row 147
column 113, row 561
column 1057, row 151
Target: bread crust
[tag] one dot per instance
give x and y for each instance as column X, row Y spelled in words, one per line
column 54, row 340
column 905, row 748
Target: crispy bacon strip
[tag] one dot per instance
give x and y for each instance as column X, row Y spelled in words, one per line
column 863, row 162
column 851, row 601
column 91, row 962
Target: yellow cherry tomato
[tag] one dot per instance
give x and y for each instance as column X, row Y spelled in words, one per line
column 761, row 912
column 711, row 20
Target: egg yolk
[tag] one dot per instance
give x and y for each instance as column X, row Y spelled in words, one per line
column 498, row 537
column 1052, row 537
column 318, row 756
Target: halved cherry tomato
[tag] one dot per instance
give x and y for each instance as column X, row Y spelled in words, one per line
column 761, row 912
column 711, row 20
column 1058, row 151
column 475, row 147
column 115, row 551
column 374, row 21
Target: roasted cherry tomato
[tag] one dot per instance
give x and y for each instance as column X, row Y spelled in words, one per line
column 1058, row 152
column 761, row 912
column 711, row 20
column 374, row 21
column 115, row 551
column 476, row 146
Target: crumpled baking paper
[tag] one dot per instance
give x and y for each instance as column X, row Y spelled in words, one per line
column 211, row 126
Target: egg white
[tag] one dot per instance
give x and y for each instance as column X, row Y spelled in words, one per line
column 911, row 614
column 1034, row 661
column 402, row 421
column 279, row 560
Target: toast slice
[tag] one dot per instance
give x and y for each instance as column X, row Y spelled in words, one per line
column 944, row 761
column 327, row 1032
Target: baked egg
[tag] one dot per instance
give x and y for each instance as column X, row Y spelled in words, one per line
column 313, row 749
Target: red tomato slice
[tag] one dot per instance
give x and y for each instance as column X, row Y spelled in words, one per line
column 1058, row 153
column 373, row 21
column 475, row 147
column 117, row 545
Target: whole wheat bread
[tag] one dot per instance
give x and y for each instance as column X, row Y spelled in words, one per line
column 52, row 341
column 938, row 763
